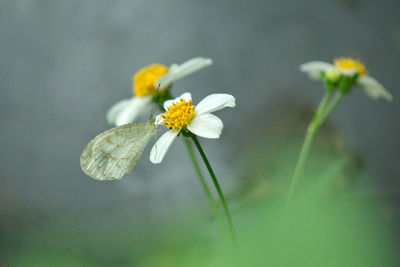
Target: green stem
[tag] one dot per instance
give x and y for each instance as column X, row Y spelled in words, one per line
column 204, row 185
column 305, row 149
column 330, row 108
column 323, row 103
column 217, row 187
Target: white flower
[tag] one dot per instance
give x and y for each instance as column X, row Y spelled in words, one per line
column 348, row 67
column 181, row 114
column 146, row 82
column 127, row 110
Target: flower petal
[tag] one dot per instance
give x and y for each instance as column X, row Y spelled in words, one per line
column 314, row 68
column 185, row 96
column 137, row 106
column 159, row 120
column 173, row 68
column 162, row 146
column 206, row 125
column 115, row 109
column 214, row 102
column 373, row 88
column 348, row 72
column 179, row 71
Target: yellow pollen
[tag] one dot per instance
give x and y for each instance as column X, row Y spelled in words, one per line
column 144, row 79
column 178, row 115
column 346, row 63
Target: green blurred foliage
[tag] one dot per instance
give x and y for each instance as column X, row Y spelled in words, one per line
column 330, row 222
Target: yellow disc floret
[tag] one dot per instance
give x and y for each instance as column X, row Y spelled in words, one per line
column 346, row 63
column 178, row 115
column 144, row 79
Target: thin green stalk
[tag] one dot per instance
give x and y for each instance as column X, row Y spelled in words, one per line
column 218, row 188
column 323, row 103
column 203, row 183
column 330, row 108
column 305, row 149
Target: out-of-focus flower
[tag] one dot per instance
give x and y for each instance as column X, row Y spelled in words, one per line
column 181, row 115
column 348, row 71
column 147, row 84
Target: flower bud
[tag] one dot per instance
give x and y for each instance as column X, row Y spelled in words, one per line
column 333, row 75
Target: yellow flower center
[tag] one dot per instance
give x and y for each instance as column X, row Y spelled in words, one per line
column 178, row 115
column 346, row 63
column 144, row 79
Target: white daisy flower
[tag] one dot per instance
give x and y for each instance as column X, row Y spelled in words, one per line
column 347, row 67
column 182, row 115
column 146, row 82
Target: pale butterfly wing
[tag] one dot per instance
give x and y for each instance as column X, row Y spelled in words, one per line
column 114, row 153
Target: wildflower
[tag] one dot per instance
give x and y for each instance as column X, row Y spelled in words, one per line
column 343, row 74
column 149, row 83
column 182, row 116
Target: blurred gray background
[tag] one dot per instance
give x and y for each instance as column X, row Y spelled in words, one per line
column 64, row 63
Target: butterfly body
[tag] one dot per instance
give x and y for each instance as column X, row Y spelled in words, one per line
column 114, row 153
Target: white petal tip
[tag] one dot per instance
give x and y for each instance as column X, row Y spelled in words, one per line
column 215, row 102
column 373, row 88
column 208, row 61
column 388, row 97
column 302, row 68
column 154, row 161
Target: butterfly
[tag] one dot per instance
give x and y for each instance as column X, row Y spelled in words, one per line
column 114, row 153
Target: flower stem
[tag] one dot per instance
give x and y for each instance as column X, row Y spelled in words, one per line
column 217, row 187
column 330, row 108
column 319, row 117
column 204, row 185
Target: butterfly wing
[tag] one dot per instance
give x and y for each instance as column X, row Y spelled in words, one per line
column 114, row 153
